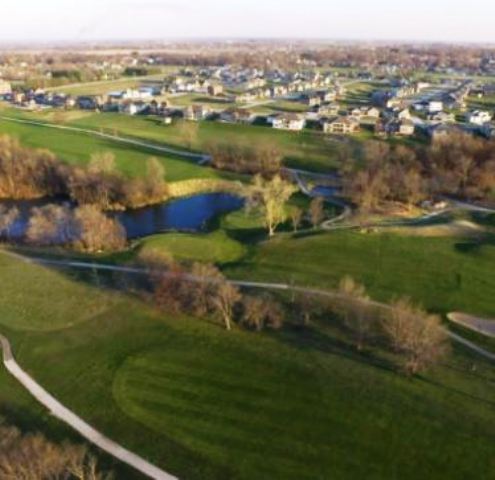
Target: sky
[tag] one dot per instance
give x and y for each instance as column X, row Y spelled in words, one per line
column 86, row 20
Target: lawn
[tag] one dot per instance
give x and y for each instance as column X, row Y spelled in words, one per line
column 215, row 247
column 309, row 150
column 444, row 274
column 106, row 86
column 208, row 404
column 77, row 148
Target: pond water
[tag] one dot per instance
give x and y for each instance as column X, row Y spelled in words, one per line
column 190, row 214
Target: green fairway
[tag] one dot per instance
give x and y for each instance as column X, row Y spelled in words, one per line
column 77, row 148
column 442, row 273
column 208, row 404
column 308, row 149
column 214, row 247
column 26, row 305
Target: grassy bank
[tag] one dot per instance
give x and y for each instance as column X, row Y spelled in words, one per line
column 208, row 404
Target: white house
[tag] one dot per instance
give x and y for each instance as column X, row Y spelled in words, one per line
column 288, row 121
column 478, row 117
column 435, row 106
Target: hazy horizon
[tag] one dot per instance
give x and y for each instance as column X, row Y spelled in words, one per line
column 154, row 20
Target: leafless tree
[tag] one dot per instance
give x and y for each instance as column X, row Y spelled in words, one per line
column 94, row 231
column 271, row 196
column 8, row 217
column 226, row 297
column 51, row 225
column 33, row 457
column 188, row 132
column 358, row 316
column 317, row 211
column 416, row 335
column 296, row 215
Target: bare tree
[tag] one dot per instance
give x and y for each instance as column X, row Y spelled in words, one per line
column 261, row 312
column 188, row 132
column 317, row 211
column 33, row 457
column 225, row 299
column 296, row 215
column 50, row 225
column 102, row 162
column 353, row 307
column 417, row 336
column 8, row 217
column 271, row 196
column 94, row 231
column 207, row 279
column 155, row 180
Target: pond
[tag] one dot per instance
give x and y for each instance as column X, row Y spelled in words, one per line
column 190, row 214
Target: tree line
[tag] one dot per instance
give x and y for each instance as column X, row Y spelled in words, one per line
column 413, row 337
column 262, row 157
column 456, row 164
column 27, row 173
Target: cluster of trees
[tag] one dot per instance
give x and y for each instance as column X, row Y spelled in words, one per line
column 85, row 228
column 203, row 291
column 33, row 457
column 455, row 164
column 26, row 173
column 463, row 165
column 315, row 214
column 263, row 158
column 414, row 335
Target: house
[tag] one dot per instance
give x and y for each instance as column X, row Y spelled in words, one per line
column 5, row 88
column 406, row 127
column 435, row 106
column 479, row 117
column 327, row 109
column 288, row 121
column 310, row 99
column 133, row 107
column 372, row 112
column 404, row 114
column 236, row 115
column 246, row 97
column 197, row 112
column 341, row 125
column 89, row 102
column 327, row 95
column 441, row 117
column 215, row 90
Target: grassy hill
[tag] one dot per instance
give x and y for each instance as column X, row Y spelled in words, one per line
column 208, row 404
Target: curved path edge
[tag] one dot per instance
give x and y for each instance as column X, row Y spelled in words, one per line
column 67, row 416
column 484, row 326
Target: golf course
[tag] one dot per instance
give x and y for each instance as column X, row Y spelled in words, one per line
column 204, row 403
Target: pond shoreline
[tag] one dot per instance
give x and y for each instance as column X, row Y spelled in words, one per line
column 186, row 214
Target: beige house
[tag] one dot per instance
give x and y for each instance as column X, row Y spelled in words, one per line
column 406, row 127
column 197, row 112
column 341, row 125
column 215, row 90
